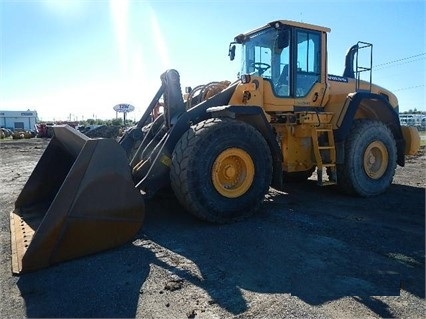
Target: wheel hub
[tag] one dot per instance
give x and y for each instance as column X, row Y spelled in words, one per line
column 233, row 172
column 230, row 172
column 376, row 160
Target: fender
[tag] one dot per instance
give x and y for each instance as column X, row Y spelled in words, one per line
column 254, row 116
column 375, row 106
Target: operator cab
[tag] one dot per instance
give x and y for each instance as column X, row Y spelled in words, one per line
column 289, row 55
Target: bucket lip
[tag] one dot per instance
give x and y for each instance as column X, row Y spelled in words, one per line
column 15, row 260
column 21, row 265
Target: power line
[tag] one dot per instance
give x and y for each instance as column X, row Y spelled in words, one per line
column 393, row 65
column 409, row 88
column 402, row 59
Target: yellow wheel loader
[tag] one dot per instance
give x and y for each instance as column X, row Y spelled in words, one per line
column 219, row 146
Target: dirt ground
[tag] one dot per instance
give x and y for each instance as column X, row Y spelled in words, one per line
column 310, row 252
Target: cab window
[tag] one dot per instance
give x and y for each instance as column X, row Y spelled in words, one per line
column 281, row 76
column 308, row 59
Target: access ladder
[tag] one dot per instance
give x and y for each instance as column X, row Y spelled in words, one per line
column 325, row 154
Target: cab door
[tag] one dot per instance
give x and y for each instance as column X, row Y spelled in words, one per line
column 301, row 80
column 308, row 67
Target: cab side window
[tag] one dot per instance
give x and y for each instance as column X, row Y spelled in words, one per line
column 308, row 69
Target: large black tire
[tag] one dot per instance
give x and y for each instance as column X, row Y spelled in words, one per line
column 370, row 159
column 221, row 170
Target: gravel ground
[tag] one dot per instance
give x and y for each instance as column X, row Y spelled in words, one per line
column 309, row 252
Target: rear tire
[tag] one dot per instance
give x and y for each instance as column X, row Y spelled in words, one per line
column 370, row 159
column 221, row 170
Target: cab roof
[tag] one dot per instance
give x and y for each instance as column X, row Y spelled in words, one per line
column 289, row 23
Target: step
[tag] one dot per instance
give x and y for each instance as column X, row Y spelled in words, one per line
column 327, row 183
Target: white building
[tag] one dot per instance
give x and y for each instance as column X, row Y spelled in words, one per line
column 18, row 120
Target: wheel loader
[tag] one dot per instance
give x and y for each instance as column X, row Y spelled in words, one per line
column 218, row 147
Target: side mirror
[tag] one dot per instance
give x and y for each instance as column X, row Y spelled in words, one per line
column 231, row 52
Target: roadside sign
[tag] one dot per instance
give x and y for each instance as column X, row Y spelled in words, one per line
column 124, row 108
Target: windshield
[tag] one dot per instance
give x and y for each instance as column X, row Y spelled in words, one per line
column 266, row 53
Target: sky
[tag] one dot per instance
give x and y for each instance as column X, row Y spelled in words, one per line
column 75, row 60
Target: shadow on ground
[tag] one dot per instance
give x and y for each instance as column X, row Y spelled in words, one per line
column 104, row 285
column 316, row 245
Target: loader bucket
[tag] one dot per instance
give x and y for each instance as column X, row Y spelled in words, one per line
column 80, row 199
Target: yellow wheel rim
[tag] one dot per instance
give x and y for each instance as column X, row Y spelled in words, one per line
column 233, row 172
column 376, row 160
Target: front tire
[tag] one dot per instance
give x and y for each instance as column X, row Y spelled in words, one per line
column 370, row 159
column 221, row 170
